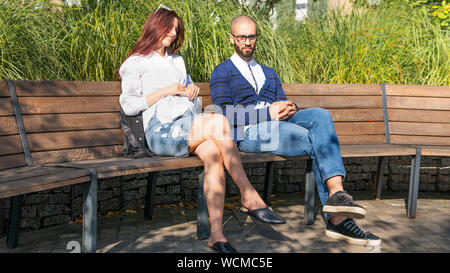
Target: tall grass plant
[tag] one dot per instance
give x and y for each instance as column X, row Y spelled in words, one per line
column 43, row 41
column 55, row 42
column 380, row 44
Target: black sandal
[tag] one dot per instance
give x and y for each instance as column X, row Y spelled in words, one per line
column 265, row 215
column 223, row 247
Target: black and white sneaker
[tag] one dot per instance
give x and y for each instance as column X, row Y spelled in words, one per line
column 349, row 231
column 341, row 204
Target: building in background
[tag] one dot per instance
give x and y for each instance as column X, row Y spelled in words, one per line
column 305, row 7
column 300, row 9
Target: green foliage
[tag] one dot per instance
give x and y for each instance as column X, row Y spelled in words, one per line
column 441, row 14
column 436, row 9
column 390, row 44
column 384, row 44
column 89, row 43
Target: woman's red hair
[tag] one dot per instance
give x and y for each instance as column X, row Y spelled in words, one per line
column 158, row 24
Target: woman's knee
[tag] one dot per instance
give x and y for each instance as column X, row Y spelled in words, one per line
column 217, row 127
column 209, row 153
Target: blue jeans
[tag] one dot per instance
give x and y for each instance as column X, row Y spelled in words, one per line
column 308, row 132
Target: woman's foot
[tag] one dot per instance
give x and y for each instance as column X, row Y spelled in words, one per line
column 214, row 238
column 252, row 201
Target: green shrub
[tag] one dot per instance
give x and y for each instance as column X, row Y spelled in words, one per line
column 72, row 43
column 390, row 44
column 381, row 44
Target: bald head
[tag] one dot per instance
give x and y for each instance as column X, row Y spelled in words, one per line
column 241, row 21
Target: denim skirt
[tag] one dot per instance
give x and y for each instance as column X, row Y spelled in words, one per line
column 170, row 139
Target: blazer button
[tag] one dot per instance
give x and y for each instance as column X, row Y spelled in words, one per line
column 137, row 121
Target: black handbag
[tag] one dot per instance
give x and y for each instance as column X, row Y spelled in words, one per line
column 134, row 143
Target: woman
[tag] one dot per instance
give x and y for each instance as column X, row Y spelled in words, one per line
column 154, row 80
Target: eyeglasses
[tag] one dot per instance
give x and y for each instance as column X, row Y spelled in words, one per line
column 162, row 6
column 243, row 38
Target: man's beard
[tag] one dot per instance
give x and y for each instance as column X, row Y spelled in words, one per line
column 241, row 53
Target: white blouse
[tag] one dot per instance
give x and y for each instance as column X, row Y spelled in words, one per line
column 142, row 75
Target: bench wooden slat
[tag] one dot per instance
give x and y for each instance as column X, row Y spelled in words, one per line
column 8, row 126
column 6, row 107
column 410, row 115
column 70, row 122
column 362, row 139
column 27, row 172
column 436, row 150
column 10, row 145
column 12, row 161
column 420, row 129
column 420, row 140
column 418, row 90
column 77, row 154
column 51, row 181
column 359, row 128
column 4, row 89
column 74, row 139
column 293, row 89
column 338, row 102
column 376, row 150
column 356, row 114
column 124, row 166
column 418, row 103
column 66, row 88
column 54, row 105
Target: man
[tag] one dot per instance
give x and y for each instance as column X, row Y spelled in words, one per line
column 272, row 124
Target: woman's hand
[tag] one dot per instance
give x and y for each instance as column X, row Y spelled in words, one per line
column 171, row 90
column 192, row 91
column 174, row 89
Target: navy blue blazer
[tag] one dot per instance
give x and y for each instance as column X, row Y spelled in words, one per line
column 229, row 88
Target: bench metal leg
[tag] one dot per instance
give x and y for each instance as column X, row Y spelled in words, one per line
column 268, row 182
column 15, row 215
column 89, row 236
column 150, row 196
column 414, row 184
column 202, row 212
column 309, row 194
column 379, row 177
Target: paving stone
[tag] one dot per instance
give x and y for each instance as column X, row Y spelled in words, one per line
column 170, row 231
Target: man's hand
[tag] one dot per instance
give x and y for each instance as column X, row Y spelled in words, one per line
column 281, row 110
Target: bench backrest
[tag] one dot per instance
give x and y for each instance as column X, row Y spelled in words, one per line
column 419, row 115
column 11, row 151
column 64, row 121
column 357, row 110
column 70, row 121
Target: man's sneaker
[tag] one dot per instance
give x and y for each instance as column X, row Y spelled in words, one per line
column 349, row 231
column 341, row 204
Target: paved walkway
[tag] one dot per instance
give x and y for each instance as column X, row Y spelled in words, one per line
column 174, row 229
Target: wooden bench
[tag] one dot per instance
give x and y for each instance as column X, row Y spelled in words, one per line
column 419, row 116
column 55, row 134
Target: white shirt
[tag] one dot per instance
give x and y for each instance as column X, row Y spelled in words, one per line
column 258, row 74
column 142, row 75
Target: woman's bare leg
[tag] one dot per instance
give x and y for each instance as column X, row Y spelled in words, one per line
column 216, row 128
column 214, row 187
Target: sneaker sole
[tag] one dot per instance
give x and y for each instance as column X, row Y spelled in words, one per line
column 350, row 212
column 362, row 242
